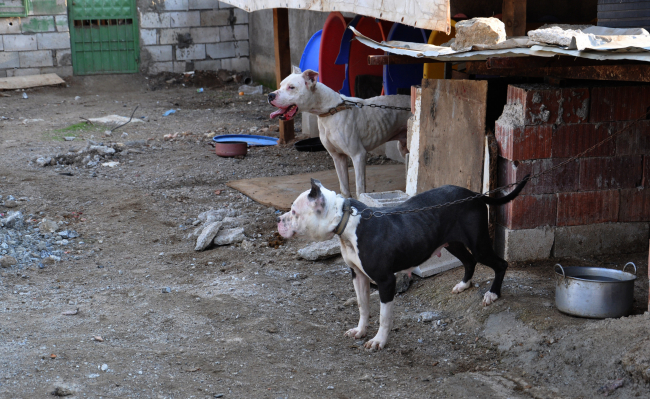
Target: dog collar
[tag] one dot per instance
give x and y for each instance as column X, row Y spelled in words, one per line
column 347, row 210
column 341, row 107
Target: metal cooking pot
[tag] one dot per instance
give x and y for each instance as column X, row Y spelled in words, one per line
column 594, row 292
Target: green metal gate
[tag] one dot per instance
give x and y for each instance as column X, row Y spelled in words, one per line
column 104, row 36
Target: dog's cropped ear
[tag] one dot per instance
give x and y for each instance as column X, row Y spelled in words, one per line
column 316, row 195
column 311, row 77
column 295, row 69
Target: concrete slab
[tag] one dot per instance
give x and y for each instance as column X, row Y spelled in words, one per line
column 523, row 245
column 598, row 239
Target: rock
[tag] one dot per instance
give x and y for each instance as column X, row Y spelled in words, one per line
column 230, row 236
column 247, row 245
column 166, row 290
column 321, row 250
column 14, row 220
column 428, row 317
column 10, row 204
column 231, row 222
column 43, row 161
column 350, row 302
column 8, row 261
column 216, row 215
column 403, row 282
column 207, row 235
column 104, row 367
column 478, row 31
column 102, row 149
column 48, row 226
column 62, row 391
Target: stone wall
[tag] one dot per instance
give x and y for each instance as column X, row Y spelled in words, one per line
column 39, row 43
column 184, row 35
column 596, row 204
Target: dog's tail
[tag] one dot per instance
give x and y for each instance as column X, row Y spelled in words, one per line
column 513, row 194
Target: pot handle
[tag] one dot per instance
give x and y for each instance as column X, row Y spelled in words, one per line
column 630, row 263
column 561, row 268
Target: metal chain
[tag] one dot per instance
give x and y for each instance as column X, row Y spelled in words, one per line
column 372, row 213
column 361, row 105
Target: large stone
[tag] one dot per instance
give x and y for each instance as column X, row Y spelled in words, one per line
column 207, row 235
column 402, row 282
column 8, row 261
column 215, row 215
column 48, row 226
column 230, row 236
column 478, row 31
column 321, row 250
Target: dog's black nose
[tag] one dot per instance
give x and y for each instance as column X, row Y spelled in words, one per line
column 278, row 219
column 271, row 97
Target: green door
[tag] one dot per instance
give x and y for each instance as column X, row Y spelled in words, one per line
column 104, row 36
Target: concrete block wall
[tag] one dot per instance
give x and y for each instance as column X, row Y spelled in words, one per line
column 187, row 35
column 596, row 204
column 39, row 43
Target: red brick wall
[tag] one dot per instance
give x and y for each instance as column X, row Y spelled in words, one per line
column 608, row 184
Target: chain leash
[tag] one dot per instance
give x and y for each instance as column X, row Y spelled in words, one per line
column 372, row 213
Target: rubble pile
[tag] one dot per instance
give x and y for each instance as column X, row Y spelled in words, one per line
column 31, row 240
column 91, row 156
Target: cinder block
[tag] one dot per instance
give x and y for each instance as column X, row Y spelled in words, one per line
column 185, row 19
column 53, row 41
column 61, row 70
column 38, row 24
column 524, row 245
column 23, row 72
column 550, row 105
column 528, row 212
column 563, row 179
column 176, row 5
column 19, row 42
column 587, row 207
column 241, row 16
column 635, row 138
column 223, row 5
column 170, row 36
column 524, row 142
column 207, row 65
column 63, row 58
column 611, row 172
column 61, row 22
column 220, row 50
column 236, row 64
column 436, row 265
column 215, row 18
column 233, row 32
column 571, row 140
column 158, row 67
column 49, row 7
column 3, row 74
column 193, row 52
column 205, row 35
column 203, row 4
column 635, row 205
column 619, row 103
column 242, row 49
column 160, row 53
column 9, row 60
column 9, row 26
column 600, row 239
column 181, row 66
column 149, row 37
column 149, row 20
column 33, row 59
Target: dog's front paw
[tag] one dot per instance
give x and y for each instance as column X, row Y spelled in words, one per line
column 489, row 298
column 377, row 343
column 356, row 332
column 460, row 287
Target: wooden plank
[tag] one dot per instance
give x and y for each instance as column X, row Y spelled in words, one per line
column 452, row 134
column 282, row 62
column 625, row 72
column 398, row 59
column 281, row 191
column 25, row 82
column 514, row 17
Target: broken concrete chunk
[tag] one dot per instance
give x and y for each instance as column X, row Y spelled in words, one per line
column 48, row 226
column 478, row 31
column 230, row 236
column 321, row 250
column 207, row 235
column 216, row 215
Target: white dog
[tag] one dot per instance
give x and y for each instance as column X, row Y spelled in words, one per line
column 345, row 130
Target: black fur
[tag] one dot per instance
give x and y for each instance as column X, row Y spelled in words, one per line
column 392, row 243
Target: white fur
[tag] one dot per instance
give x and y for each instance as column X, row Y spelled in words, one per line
column 362, row 288
column 352, row 132
column 460, row 287
column 489, row 298
column 385, row 322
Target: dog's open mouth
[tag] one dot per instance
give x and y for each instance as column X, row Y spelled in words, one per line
column 286, row 114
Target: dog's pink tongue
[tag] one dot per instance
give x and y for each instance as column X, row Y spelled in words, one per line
column 277, row 113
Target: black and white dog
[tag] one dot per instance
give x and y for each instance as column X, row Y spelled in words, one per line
column 377, row 247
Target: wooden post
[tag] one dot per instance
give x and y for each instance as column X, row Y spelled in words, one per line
column 282, row 62
column 514, row 17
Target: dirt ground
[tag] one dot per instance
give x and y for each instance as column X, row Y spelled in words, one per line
column 250, row 321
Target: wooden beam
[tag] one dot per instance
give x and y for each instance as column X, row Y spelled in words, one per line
column 625, row 72
column 514, row 17
column 282, row 62
column 398, row 59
